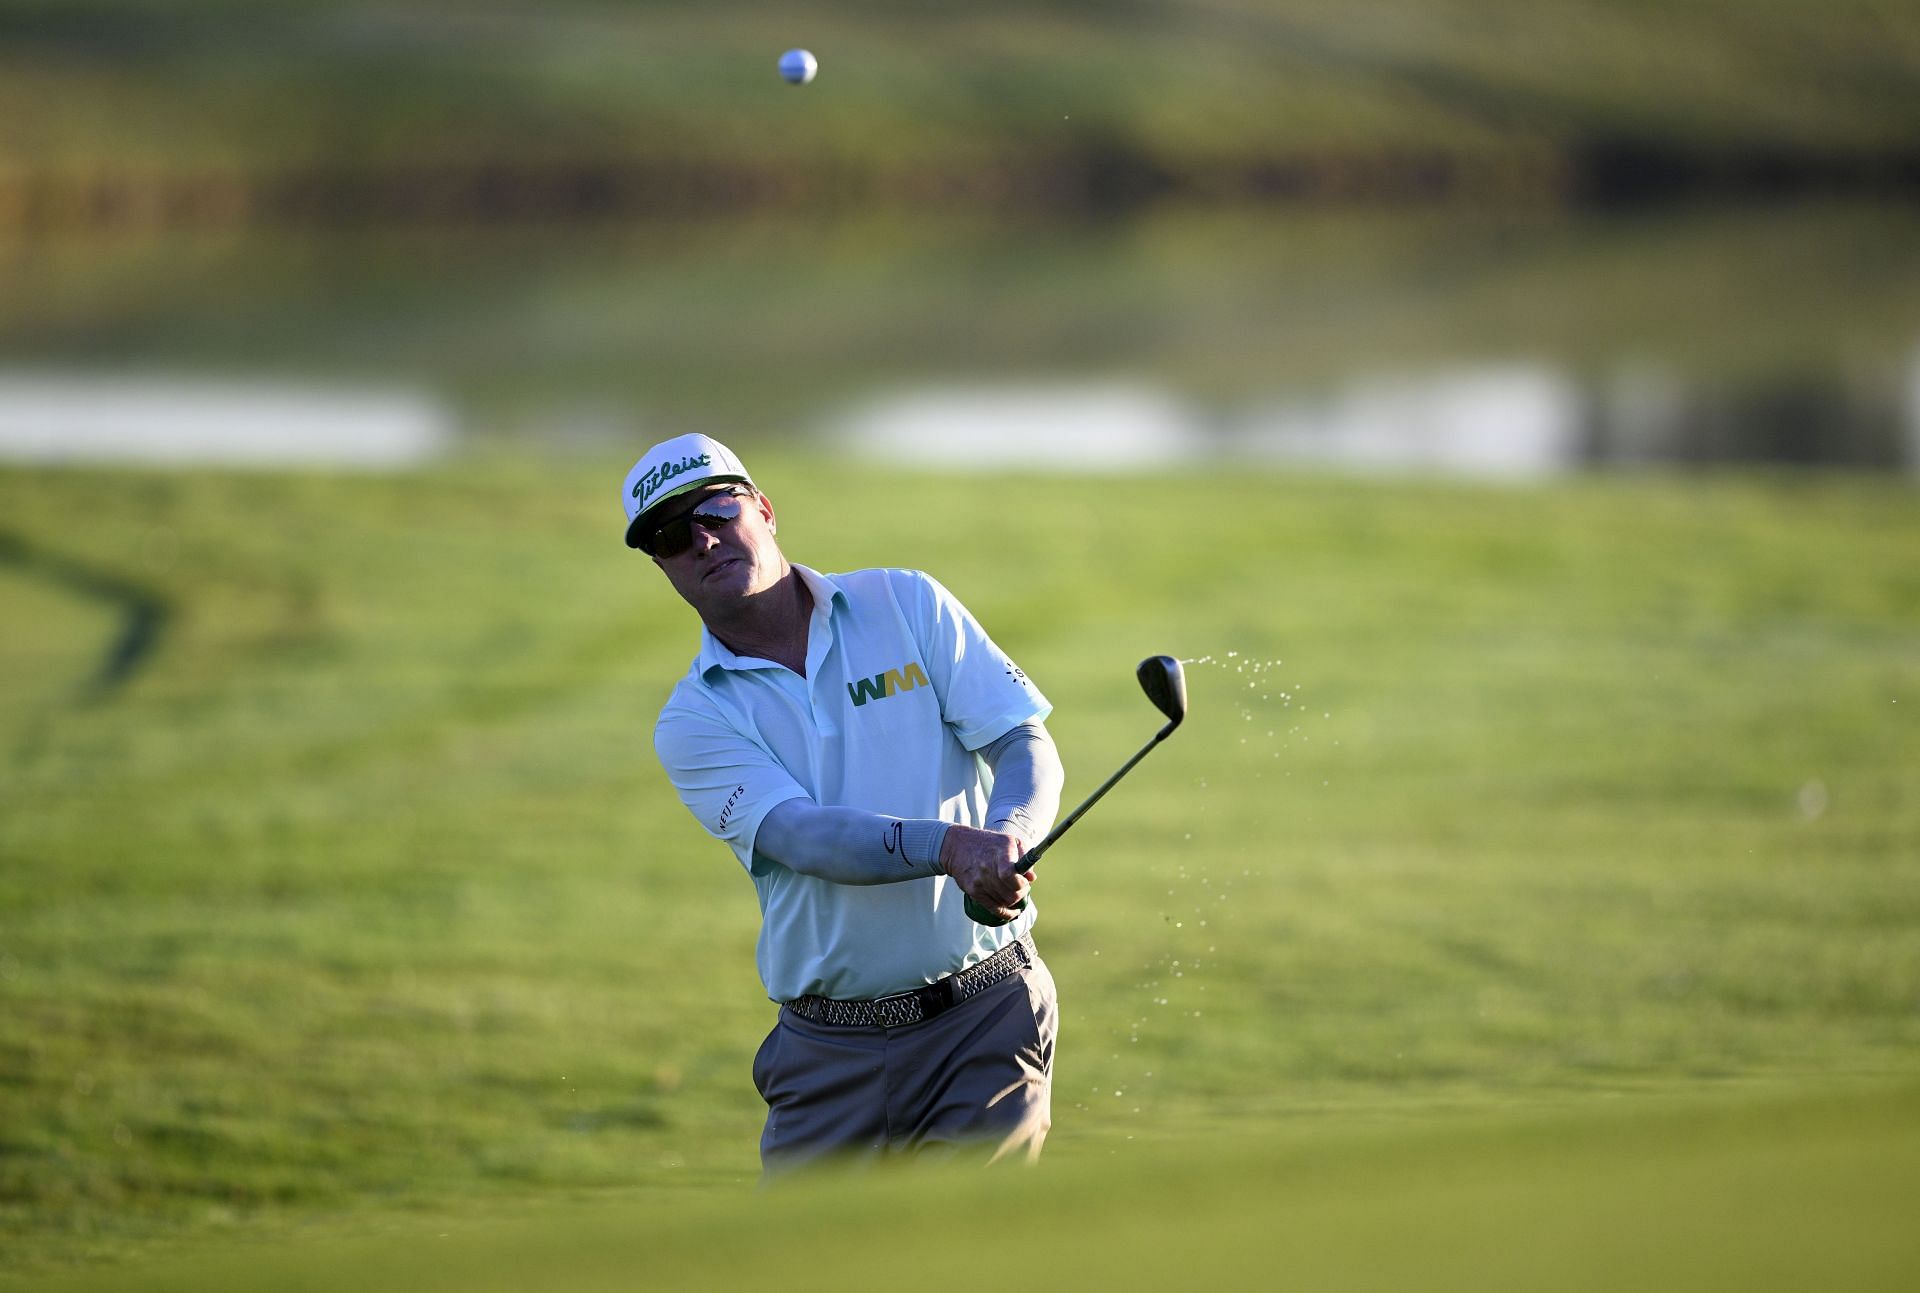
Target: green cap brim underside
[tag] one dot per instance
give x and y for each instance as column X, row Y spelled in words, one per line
column 639, row 524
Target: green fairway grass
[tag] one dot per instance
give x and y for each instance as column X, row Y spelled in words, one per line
column 1521, row 841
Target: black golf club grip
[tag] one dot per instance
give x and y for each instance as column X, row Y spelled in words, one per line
column 981, row 916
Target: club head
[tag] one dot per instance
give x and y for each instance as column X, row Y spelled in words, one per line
column 1166, row 686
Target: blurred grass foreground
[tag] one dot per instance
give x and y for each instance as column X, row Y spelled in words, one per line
column 212, row 111
column 339, row 894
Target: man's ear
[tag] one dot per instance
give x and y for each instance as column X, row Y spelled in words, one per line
column 766, row 510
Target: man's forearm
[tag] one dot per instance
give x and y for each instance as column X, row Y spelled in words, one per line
column 1027, row 779
column 848, row 845
column 852, row 846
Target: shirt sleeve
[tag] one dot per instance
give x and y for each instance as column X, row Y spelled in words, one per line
column 849, row 846
column 983, row 693
column 727, row 780
column 1027, row 778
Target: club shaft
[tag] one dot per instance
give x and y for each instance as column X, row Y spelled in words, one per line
column 1032, row 855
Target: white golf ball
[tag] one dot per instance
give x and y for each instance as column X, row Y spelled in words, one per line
column 798, row 66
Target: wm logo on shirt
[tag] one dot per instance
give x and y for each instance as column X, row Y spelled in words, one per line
column 890, row 683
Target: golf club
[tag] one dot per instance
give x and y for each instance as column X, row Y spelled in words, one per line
column 1166, row 686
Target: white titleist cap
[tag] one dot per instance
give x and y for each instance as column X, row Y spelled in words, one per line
column 673, row 467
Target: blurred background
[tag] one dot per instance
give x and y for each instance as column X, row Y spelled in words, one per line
column 1462, row 236
column 1511, row 411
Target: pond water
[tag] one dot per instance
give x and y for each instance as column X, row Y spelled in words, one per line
column 1513, row 422
column 1498, row 344
column 161, row 421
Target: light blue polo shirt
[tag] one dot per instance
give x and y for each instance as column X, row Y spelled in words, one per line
column 902, row 686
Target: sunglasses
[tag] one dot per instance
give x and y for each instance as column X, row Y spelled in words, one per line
column 714, row 512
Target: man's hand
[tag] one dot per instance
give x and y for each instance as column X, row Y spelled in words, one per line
column 986, row 865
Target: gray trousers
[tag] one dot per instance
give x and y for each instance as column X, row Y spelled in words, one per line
column 976, row 1078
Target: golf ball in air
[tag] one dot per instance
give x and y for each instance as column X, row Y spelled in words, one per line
column 798, row 66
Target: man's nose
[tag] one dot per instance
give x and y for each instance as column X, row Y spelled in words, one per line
column 702, row 538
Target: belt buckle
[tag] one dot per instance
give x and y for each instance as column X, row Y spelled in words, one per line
column 940, row 996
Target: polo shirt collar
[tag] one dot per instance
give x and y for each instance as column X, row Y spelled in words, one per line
column 715, row 654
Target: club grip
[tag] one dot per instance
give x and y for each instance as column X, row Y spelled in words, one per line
column 981, row 916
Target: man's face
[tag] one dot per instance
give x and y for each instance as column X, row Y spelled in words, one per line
column 724, row 564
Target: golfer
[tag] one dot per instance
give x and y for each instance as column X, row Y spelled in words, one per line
column 870, row 756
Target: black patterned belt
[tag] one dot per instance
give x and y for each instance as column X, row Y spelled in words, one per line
column 922, row 1003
